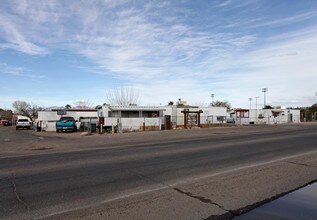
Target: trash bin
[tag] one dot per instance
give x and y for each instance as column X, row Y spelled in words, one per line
column 93, row 127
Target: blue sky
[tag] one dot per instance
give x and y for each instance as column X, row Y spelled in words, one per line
column 54, row 53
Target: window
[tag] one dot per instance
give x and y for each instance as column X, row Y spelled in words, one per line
column 243, row 114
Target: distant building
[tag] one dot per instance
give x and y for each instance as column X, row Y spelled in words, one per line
column 195, row 116
column 46, row 119
column 138, row 118
column 265, row 116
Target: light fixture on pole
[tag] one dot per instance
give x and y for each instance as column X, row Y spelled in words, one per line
column 264, row 90
column 212, row 99
column 250, row 99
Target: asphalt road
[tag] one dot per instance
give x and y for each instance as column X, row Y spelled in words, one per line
column 36, row 186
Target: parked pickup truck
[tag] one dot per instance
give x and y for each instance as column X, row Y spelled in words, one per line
column 66, row 124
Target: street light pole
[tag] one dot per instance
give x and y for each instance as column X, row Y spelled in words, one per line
column 315, row 112
column 256, row 109
column 250, row 99
column 264, row 90
column 212, row 99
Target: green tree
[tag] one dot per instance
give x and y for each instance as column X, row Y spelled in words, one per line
column 268, row 107
column 313, row 108
column 68, row 106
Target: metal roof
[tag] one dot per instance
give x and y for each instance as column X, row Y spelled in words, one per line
column 136, row 108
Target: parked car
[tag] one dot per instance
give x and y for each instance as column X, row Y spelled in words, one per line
column 5, row 122
column 23, row 123
column 66, row 124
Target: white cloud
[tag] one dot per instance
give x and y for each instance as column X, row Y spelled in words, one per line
column 224, row 3
column 167, row 56
column 139, row 49
column 18, row 71
column 287, row 68
column 288, row 20
column 16, row 40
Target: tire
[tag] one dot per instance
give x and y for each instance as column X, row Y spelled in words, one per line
column 16, row 128
column 57, row 131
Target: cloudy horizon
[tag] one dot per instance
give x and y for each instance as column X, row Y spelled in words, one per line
column 55, row 52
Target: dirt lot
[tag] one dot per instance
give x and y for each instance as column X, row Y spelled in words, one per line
column 26, row 142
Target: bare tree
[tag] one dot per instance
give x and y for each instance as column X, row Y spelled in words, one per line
column 200, row 104
column 6, row 114
column 22, row 108
column 82, row 104
column 218, row 103
column 26, row 109
column 123, row 96
column 34, row 109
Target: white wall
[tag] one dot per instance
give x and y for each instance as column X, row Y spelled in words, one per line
column 133, row 123
column 49, row 118
column 209, row 114
column 268, row 118
column 52, row 115
column 172, row 111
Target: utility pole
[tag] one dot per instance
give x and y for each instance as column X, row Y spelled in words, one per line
column 250, row 99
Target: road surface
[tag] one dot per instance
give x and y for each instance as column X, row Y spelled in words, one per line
column 193, row 174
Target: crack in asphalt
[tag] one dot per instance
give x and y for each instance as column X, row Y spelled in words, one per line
column 301, row 164
column 18, row 195
column 243, row 210
column 203, row 199
column 229, row 213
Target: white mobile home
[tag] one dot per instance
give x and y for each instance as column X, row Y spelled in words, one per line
column 265, row 116
column 132, row 117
